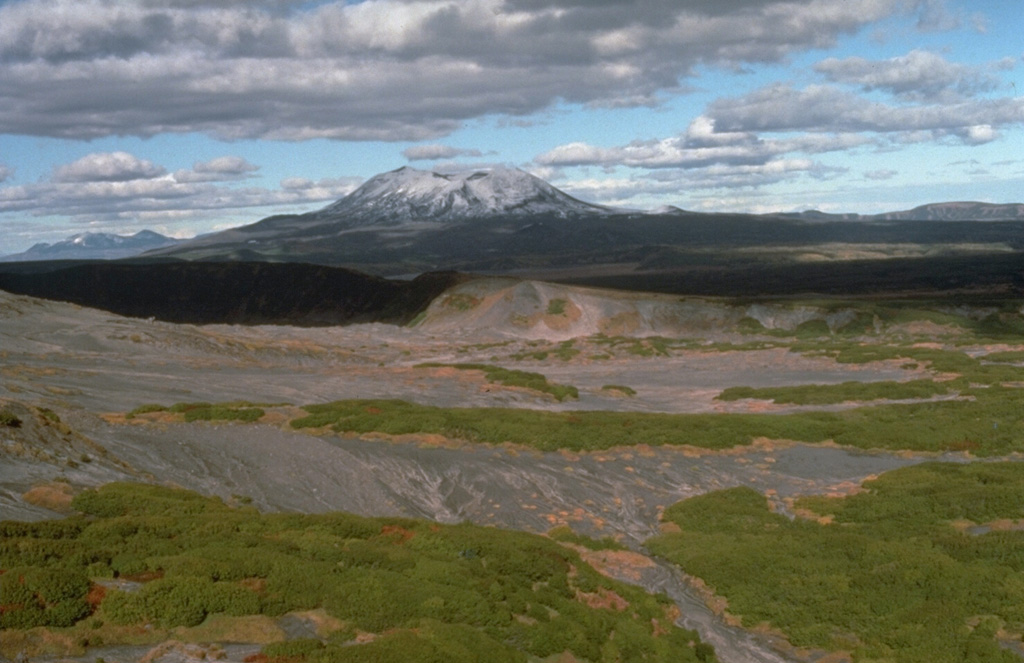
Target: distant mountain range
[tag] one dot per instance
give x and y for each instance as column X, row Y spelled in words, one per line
column 951, row 211
column 503, row 220
column 95, row 246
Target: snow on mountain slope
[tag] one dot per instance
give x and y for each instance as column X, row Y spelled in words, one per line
column 93, row 246
column 408, row 195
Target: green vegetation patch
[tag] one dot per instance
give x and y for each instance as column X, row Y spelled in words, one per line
column 557, row 307
column 9, row 419
column 890, row 579
column 564, row 351
column 242, row 411
column 428, row 591
column 146, row 408
column 649, row 346
column 826, row 394
column 515, row 378
column 990, row 424
column 620, row 388
column 460, row 302
column 974, row 370
column 220, row 413
column 1009, row 356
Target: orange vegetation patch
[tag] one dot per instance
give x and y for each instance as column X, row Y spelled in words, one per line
column 257, row 585
column 807, row 514
column 398, row 535
column 1005, row 525
column 96, row 595
column 603, row 599
column 616, row 563
column 275, row 418
column 55, row 496
column 663, row 626
column 717, row 604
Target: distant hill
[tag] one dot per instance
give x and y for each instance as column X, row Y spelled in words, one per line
column 951, row 211
column 230, row 292
column 95, row 246
column 957, row 211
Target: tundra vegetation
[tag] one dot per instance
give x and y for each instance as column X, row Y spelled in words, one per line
column 926, row 565
column 514, row 378
column 395, row 589
column 988, row 425
column 9, row 419
column 969, row 403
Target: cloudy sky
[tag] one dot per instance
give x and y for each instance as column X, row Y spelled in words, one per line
column 186, row 116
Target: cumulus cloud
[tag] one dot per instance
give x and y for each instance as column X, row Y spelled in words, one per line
column 773, row 133
column 5, row 172
column 435, row 152
column 915, row 76
column 376, row 70
column 328, row 188
column 221, row 169
column 107, row 167
column 668, row 183
column 936, row 17
column 700, row 146
column 125, row 190
column 825, row 108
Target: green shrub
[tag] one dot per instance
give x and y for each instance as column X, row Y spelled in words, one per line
column 825, row 394
column 622, row 389
column 300, row 648
column 556, row 307
column 427, row 590
column 220, row 413
column 185, row 407
column 515, row 378
column 146, row 408
column 9, row 419
column 34, row 596
column 890, row 578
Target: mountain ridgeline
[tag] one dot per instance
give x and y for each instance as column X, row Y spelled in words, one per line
column 94, row 246
column 314, row 268
column 505, row 221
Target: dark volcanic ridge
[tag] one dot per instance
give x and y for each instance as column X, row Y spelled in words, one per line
column 248, row 293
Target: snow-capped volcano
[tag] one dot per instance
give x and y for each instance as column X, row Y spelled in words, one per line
column 410, row 195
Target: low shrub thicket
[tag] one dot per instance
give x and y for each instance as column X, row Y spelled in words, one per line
column 430, row 592
column 889, row 579
column 826, row 394
column 515, row 378
column 990, row 424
